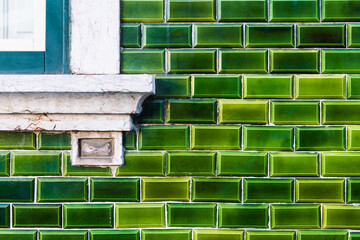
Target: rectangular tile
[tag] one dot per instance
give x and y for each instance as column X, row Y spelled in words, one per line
column 270, row 235
column 166, row 234
column 5, row 164
column 340, row 61
column 5, row 216
column 341, row 112
column 321, row 35
column 217, row 86
column 191, row 164
column 322, row 235
column 25, row 216
column 115, row 189
column 130, row 35
column 18, row 235
column 166, row 35
column 192, row 61
column 165, row 189
column 340, row 10
column 268, row 190
column 130, row 140
column 152, row 112
column 63, row 235
column 354, row 236
column 294, row 11
column 17, row 189
column 54, row 141
column 294, row 165
column 243, row 61
column 353, row 86
column 191, row 215
column 353, row 190
column 62, row 190
column 70, row 170
column 196, row 111
column 88, row 215
column 216, row 190
column 143, row 164
column 17, row 140
column 194, row 11
column 353, row 35
column 217, row 234
column 341, row 216
column 294, row 61
column 332, row 164
column 218, row 35
column 142, row 11
column 302, row 113
column 114, row 234
column 143, row 61
column 242, row 10
column 260, row 35
column 172, row 86
column 143, row 215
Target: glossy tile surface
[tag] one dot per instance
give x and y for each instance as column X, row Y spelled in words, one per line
column 339, row 61
column 242, row 10
column 322, row 235
column 204, row 234
column 294, row 61
column 25, row 216
column 295, row 113
column 142, row 11
column 54, row 141
column 183, row 111
column 191, row 163
column 269, row 35
column 270, row 235
column 321, row 35
column 216, row 190
column 115, row 189
column 353, row 86
column 143, row 164
column 174, row 189
column 243, row 61
column 353, row 35
column 63, row 235
column 188, row 61
column 222, row 86
column 114, row 234
column 353, row 191
column 131, row 35
column 62, row 190
column 172, row 86
column 153, row 112
column 143, row 61
column 166, row 35
column 188, row 11
column 341, row 216
column 166, row 234
column 294, row 164
column 340, row 10
column 218, row 35
column 332, row 164
column 195, row 215
column 294, row 11
column 345, row 112
column 17, row 189
column 268, row 190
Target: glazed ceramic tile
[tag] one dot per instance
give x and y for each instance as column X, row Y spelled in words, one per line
column 191, row 215
column 294, row 165
column 344, row 112
column 353, row 35
column 322, row 235
column 192, row 61
column 218, row 35
column 294, row 61
column 17, row 189
column 332, row 164
column 183, row 111
column 54, row 141
column 340, row 61
column 221, row 86
column 340, row 10
column 341, row 216
column 142, row 11
column 166, row 35
column 162, row 189
column 269, row 35
column 240, row 111
column 294, row 11
column 25, row 216
column 270, row 235
column 62, row 190
column 216, row 190
column 166, row 234
column 191, row 11
column 88, row 215
column 191, row 164
column 321, row 35
column 153, row 112
column 143, row 61
column 353, row 191
column 243, row 61
column 172, row 86
column 114, row 234
column 295, row 113
column 143, row 164
column 242, row 10
column 205, row 234
column 131, row 35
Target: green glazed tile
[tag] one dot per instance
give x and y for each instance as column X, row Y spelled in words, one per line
column 316, row 190
column 340, row 61
column 270, row 235
column 166, row 35
column 294, row 11
column 191, row 11
column 131, row 35
column 197, row 111
column 353, row 86
column 322, row 235
column 354, row 236
column 164, row 138
column 192, row 61
column 17, row 140
column 114, row 234
column 294, row 165
column 217, row 86
column 17, row 190
column 191, row 164
column 295, row 216
column 353, row 35
column 243, row 216
column 63, row 235
column 340, row 10
column 325, row 35
column 302, row 113
column 143, row 61
column 290, row 61
column 62, row 190
column 152, row 112
column 70, row 170
column 191, row 215
column 242, row 10
column 320, row 138
column 54, row 141
column 18, row 235
column 217, row 234
column 129, row 140
column 218, row 35
column 269, row 36
column 88, row 215
column 244, row 111
column 166, row 234
column 268, row 138
column 341, row 112
column 115, row 189
column 142, row 11
column 4, row 164
column 37, row 215
column 242, row 164
column 32, row 163
column 341, row 164
column 216, row 190
column 143, row 164
column 144, row 215
column 172, row 86
column 243, row 61
column 353, row 191
column 341, row 217
column 266, row 86
column 320, row 86
column 165, row 189
column 227, row 137
column 5, row 216
column 268, row 190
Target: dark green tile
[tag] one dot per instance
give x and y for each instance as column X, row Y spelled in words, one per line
column 324, row 35
column 142, row 11
column 18, row 235
column 269, row 36
column 320, row 138
column 242, row 10
column 257, row 190
column 191, row 11
column 243, row 216
column 143, row 61
column 341, row 216
column 172, row 86
column 166, row 234
column 243, row 61
column 217, row 234
column 340, row 10
column 354, row 236
column 341, row 112
column 354, row 35
column 129, row 140
column 114, row 235
column 341, row 164
column 218, row 35
column 268, row 138
column 295, row 216
column 37, row 216
column 115, row 189
column 165, row 189
column 294, row 165
column 145, row 215
column 164, row 138
column 301, row 113
column 294, row 11
column 62, row 190
column 192, row 61
column 33, row 163
column 268, row 86
column 143, row 164
column 70, row 170
column 340, row 61
column 5, row 216
column 353, row 84
column 217, row 86
column 166, row 35
column 63, row 235
column 88, row 215
column 316, row 190
column 152, row 112
column 187, row 111
column 131, row 35
column 4, row 164
column 191, row 164
column 244, row 111
column 191, row 215
column 270, row 235
column 242, row 164
column 17, row 140
column 227, row 137
column 290, row 61
column 216, row 190
column 353, row 190
column 17, row 189
column 322, row 235
column 54, row 141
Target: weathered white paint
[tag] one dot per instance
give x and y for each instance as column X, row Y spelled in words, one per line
column 95, row 37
